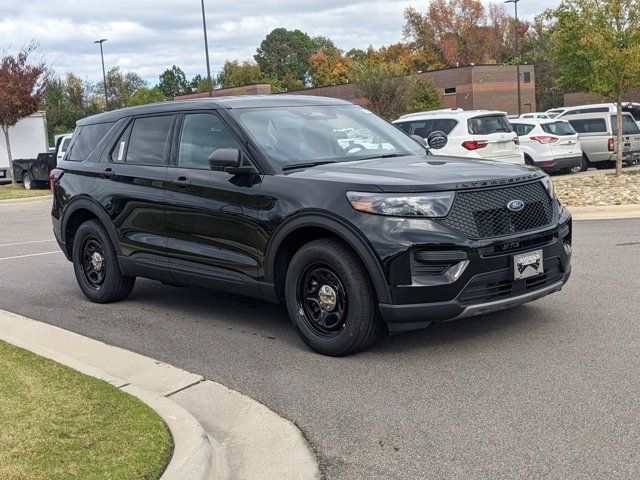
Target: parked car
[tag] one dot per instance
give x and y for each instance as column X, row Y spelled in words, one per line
column 257, row 196
column 62, row 145
column 478, row 134
column 597, row 133
column 554, row 112
column 34, row 172
column 534, row 116
column 551, row 145
column 28, row 138
column 627, row 107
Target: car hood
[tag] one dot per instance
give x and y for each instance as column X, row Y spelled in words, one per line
column 422, row 173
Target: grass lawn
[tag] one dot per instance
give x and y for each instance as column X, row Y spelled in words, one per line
column 56, row 423
column 9, row 192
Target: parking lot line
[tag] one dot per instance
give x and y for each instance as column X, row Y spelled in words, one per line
column 29, row 255
column 26, row 243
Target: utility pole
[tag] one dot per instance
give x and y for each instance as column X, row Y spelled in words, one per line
column 206, row 48
column 515, row 4
column 104, row 75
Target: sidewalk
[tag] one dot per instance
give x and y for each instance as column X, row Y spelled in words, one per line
column 218, row 433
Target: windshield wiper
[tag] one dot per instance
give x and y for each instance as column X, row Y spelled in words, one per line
column 384, row 155
column 292, row 166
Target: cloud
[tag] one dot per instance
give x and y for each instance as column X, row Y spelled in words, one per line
column 148, row 36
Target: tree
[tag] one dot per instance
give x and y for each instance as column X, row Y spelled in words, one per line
column 22, row 88
column 173, row 82
column 121, row 87
column 145, row 95
column 198, row 83
column 234, row 74
column 384, row 87
column 424, row 96
column 284, row 56
column 328, row 69
column 596, row 47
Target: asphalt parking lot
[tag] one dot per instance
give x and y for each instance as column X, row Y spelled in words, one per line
column 550, row 390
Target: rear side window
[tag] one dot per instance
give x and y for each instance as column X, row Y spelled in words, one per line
column 144, row 142
column 423, row 128
column 522, row 128
column 593, row 125
column 629, row 126
column 86, row 139
column 558, row 128
column 488, row 124
column 202, row 134
column 65, row 145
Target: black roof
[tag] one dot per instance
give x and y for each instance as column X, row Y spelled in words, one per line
column 244, row 101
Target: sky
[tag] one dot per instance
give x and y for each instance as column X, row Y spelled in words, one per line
column 148, row 36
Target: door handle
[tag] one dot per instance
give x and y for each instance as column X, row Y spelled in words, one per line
column 181, row 182
column 108, row 173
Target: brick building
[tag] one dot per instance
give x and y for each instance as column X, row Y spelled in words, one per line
column 571, row 99
column 470, row 87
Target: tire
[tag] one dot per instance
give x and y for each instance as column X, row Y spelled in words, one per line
column 28, row 182
column 353, row 323
column 584, row 166
column 95, row 264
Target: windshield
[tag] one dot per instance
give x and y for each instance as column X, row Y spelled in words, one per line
column 291, row 136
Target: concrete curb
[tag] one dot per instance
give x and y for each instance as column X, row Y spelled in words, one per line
column 608, row 212
column 218, row 433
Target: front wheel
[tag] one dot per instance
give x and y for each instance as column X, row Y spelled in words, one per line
column 95, row 263
column 330, row 299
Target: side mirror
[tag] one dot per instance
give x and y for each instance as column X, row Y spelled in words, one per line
column 420, row 140
column 437, row 140
column 223, row 158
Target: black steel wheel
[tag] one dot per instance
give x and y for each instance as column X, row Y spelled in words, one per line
column 322, row 299
column 330, row 298
column 95, row 264
column 27, row 181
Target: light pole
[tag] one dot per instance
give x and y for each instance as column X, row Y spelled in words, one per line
column 515, row 4
column 104, row 75
column 206, row 48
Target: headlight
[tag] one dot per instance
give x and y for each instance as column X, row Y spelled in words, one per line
column 435, row 204
column 548, row 184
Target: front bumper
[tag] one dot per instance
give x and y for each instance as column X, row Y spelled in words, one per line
column 487, row 283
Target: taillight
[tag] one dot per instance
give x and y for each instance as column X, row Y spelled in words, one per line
column 611, row 145
column 544, row 139
column 474, row 144
column 54, row 175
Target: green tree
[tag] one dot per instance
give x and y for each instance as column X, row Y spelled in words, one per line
column 424, row 96
column 198, row 83
column 236, row 74
column 385, row 87
column 22, row 88
column 145, row 95
column 284, row 56
column 120, row 87
column 173, row 82
column 596, row 47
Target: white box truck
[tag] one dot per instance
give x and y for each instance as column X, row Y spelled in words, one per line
column 28, row 138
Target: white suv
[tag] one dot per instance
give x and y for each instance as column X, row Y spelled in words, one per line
column 481, row 134
column 551, row 145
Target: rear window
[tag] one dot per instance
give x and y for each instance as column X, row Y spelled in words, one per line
column 629, row 126
column 522, row 128
column 488, row 124
column 558, row 128
column 593, row 125
column 423, row 128
column 86, row 139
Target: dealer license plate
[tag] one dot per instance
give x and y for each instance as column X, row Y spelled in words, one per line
column 528, row 265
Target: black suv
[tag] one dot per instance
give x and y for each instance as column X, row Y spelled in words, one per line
column 309, row 201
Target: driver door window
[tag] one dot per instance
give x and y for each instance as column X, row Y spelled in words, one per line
column 202, row 134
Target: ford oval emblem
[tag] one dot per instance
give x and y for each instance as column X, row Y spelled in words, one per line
column 515, row 205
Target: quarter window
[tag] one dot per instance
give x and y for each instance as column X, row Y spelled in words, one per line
column 202, row 134
column 86, row 139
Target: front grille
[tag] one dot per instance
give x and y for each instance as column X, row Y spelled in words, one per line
column 498, row 285
column 484, row 213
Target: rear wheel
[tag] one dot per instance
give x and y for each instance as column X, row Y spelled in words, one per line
column 28, row 182
column 584, row 166
column 96, row 265
column 330, row 299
